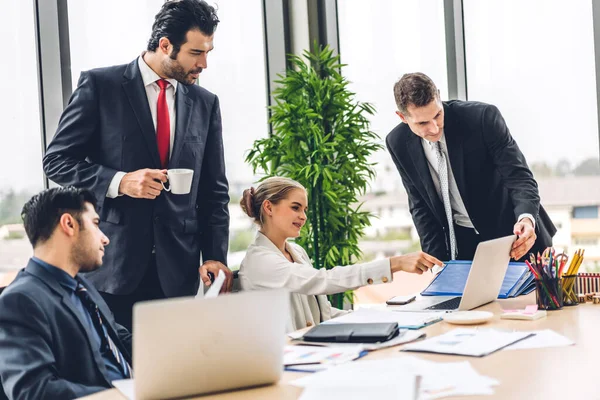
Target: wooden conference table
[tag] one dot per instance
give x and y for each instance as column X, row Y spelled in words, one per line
column 551, row 373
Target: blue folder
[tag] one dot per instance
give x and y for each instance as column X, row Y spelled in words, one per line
column 452, row 279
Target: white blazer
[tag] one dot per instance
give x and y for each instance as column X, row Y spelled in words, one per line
column 265, row 267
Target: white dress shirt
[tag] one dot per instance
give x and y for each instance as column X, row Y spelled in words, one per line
column 459, row 211
column 149, row 77
column 265, row 267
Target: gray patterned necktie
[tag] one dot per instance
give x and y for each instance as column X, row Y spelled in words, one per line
column 443, row 175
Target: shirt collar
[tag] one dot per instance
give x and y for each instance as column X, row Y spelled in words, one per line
column 149, row 76
column 432, row 144
column 65, row 280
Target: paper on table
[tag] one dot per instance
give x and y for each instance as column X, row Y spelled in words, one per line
column 437, row 379
column 543, row 338
column 296, row 334
column 125, row 386
column 386, row 390
column 214, row 288
column 299, row 355
column 468, row 342
column 360, row 377
column 405, row 336
column 408, row 320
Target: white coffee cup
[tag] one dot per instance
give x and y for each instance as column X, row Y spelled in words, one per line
column 180, row 180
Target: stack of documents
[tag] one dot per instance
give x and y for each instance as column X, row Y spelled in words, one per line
column 395, row 378
column 405, row 320
column 453, row 278
column 316, row 358
column 408, row 321
column 468, row 342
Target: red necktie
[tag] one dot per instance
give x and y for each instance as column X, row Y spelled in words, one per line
column 163, row 124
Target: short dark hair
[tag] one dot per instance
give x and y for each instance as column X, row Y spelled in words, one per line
column 177, row 17
column 416, row 89
column 42, row 212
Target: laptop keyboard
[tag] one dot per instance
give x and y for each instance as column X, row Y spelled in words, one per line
column 450, row 304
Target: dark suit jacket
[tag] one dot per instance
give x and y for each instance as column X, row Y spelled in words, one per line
column 107, row 127
column 47, row 352
column 491, row 173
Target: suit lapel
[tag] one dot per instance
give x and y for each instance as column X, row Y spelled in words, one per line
column 415, row 149
column 454, row 143
column 34, row 269
column 183, row 105
column 134, row 88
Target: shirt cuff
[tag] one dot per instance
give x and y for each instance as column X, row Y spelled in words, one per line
column 113, row 188
column 525, row 215
column 375, row 272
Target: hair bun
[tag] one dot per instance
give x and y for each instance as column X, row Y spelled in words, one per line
column 248, row 201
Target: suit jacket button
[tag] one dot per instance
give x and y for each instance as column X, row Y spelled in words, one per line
column 370, row 281
column 384, row 279
column 308, row 324
column 156, row 219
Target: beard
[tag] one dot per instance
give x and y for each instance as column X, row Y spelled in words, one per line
column 174, row 70
column 85, row 257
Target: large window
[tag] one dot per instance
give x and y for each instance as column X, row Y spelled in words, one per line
column 535, row 61
column 20, row 138
column 236, row 73
column 380, row 42
column 108, row 32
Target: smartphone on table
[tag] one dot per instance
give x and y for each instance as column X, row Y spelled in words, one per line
column 400, row 300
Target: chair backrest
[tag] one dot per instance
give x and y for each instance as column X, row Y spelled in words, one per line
column 237, row 286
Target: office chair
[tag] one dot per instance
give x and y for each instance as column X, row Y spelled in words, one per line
column 237, row 286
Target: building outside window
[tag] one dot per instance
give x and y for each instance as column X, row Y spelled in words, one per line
column 521, row 58
column 379, row 43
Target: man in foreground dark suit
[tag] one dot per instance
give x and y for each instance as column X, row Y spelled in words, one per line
column 123, row 128
column 58, row 338
column 466, row 179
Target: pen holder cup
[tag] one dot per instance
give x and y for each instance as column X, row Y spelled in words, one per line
column 569, row 292
column 548, row 294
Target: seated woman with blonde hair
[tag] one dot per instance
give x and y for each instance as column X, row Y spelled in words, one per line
column 279, row 207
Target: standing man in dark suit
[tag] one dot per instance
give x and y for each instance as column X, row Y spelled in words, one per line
column 123, row 128
column 466, row 179
column 58, row 338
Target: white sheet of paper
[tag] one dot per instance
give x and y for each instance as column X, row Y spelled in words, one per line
column 213, row 289
column 360, row 377
column 296, row 334
column 437, row 379
column 404, row 319
column 543, row 338
column 388, row 390
column 317, row 358
column 125, row 386
column 468, row 342
column 294, row 355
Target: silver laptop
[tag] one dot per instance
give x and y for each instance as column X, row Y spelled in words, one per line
column 184, row 347
column 483, row 284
